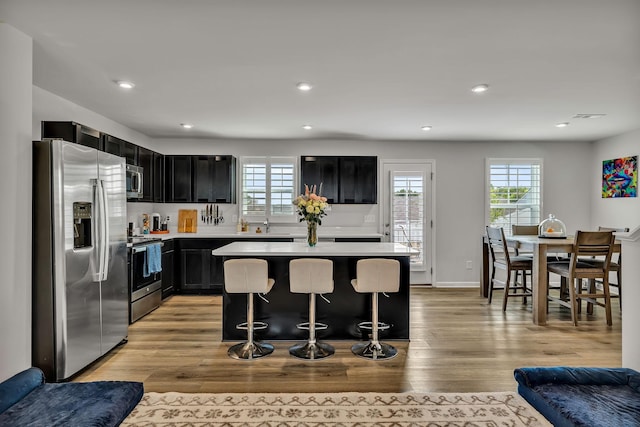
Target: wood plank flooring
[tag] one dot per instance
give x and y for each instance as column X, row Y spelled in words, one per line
column 459, row 343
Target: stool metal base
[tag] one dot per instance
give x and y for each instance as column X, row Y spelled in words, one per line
column 312, row 351
column 374, row 351
column 248, row 350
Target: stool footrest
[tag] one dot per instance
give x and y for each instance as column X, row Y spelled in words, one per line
column 319, row 326
column 369, row 325
column 256, row 326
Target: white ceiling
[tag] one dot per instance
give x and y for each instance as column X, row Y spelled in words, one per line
column 381, row 69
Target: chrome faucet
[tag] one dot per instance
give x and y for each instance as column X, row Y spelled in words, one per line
column 266, row 225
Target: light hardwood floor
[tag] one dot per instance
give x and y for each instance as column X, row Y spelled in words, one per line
column 458, row 344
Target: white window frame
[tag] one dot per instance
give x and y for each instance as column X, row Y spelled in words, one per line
column 268, row 161
column 512, row 161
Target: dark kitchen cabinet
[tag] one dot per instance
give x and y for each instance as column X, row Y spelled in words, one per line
column 72, row 132
column 345, row 179
column 120, row 147
column 145, row 160
column 178, row 179
column 201, row 272
column 358, row 180
column 168, row 269
column 158, row 177
column 320, row 169
column 214, row 179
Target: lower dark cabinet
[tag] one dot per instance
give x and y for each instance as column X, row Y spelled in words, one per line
column 168, row 269
column 201, row 272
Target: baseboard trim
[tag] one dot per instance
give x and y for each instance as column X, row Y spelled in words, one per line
column 456, row 285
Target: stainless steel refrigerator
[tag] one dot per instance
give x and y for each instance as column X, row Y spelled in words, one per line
column 80, row 289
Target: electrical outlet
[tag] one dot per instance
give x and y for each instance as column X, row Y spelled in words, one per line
column 168, row 218
column 469, row 265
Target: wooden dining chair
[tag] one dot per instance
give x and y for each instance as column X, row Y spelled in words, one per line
column 502, row 259
column 532, row 230
column 615, row 266
column 597, row 244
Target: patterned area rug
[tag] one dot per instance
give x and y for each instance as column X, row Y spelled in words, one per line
column 335, row 409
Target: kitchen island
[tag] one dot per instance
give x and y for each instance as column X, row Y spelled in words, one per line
column 347, row 307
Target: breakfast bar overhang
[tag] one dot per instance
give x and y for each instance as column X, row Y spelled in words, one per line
column 346, row 308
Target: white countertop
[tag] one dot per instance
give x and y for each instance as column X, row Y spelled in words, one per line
column 254, row 235
column 321, row 249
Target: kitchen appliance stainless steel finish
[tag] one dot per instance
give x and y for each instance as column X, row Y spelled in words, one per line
column 134, row 182
column 80, row 292
column 146, row 292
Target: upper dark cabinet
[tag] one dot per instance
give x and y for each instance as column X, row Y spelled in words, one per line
column 200, row 179
column 321, row 169
column 72, row 132
column 178, row 184
column 358, row 180
column 214, row 179
column 122, row 148
column 145, row 160
column 345, row 179
column 158, row 178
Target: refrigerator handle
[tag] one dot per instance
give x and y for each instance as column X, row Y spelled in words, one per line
column 96, row 232
column 104, row 232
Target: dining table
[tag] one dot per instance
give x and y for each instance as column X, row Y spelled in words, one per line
column 540, row 247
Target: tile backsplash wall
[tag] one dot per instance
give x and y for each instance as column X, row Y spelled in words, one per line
column 355, row 218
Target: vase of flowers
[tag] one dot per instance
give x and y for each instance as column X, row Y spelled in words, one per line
column 311, row 207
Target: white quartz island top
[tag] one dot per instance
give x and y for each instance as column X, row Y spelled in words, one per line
column 322, row 249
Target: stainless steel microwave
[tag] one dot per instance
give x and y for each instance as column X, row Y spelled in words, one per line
column 134, row 182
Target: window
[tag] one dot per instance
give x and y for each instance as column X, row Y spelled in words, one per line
column 268, row 187
column 514, row 192
column 408, row 212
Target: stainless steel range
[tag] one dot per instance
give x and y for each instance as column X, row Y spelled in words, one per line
column 145, row 292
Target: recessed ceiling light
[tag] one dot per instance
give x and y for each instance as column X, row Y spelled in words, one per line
column 304, row 86
column 480, row 88
column 125, row 85
column 426, row 128
column 307, row 127
column 186, row 125
column 562, row 125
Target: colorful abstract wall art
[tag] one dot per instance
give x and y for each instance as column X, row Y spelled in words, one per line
column 620, row 177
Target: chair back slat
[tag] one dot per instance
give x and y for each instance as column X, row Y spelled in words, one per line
column 498, row 244
column 593, row 244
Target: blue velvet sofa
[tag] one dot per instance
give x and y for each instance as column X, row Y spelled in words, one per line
column 26, row 400
column 583, row 396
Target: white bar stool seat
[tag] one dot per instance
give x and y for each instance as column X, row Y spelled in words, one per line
column 375, row 275
column 248, row 276
column 311, row 276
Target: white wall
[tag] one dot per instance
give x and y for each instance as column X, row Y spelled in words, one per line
column 15, row 193
column 623, row 212
column 50, row 107
column 460, row 185
column 617, row 212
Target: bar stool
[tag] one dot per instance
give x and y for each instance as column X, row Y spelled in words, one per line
column 311, row 276
column 373, row 276
column 248, row 276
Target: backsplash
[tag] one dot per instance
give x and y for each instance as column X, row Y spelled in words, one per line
column 351, row 218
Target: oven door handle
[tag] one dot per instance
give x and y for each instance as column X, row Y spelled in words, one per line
column 143, row 248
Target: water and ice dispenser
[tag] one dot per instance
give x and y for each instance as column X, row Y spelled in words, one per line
column 81, row 225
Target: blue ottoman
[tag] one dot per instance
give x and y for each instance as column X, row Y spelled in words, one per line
column 25, row 400
column 583, row 396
